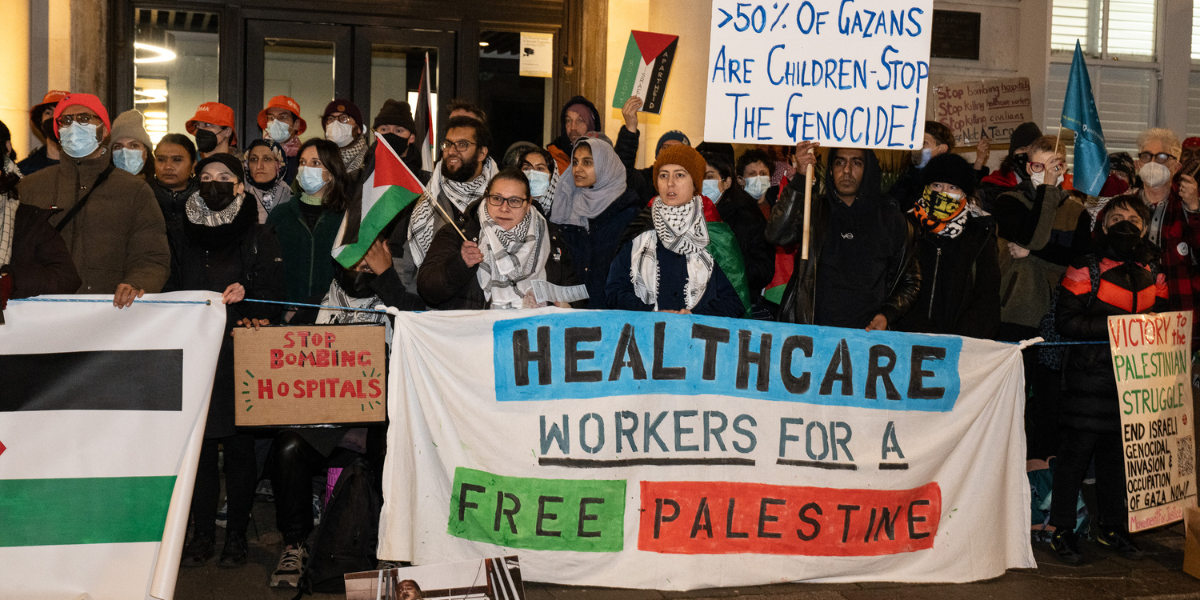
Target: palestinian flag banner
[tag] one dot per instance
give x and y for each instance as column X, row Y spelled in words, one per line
column 424, row 117
column 725, row 250
column 102, row 413
column 389, row 188
column 785, row 262
column 648, row 58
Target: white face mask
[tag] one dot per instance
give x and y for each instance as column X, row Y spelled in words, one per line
column 339, row 133
column 539, row 183
column 1154, row 174
column 78, row 140
column 311, row 179
column 278, row 131
column 921, row 158
column 711, row 189
column 1040, row 179
column 757, row 186
column 129, row 160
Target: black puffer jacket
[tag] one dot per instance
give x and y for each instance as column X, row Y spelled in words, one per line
column 1090, row 397
column 172, row 204
column 876, row 216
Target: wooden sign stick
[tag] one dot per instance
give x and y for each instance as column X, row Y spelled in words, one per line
column 808, row 183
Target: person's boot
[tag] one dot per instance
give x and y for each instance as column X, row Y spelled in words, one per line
column 1120, row 542
column 1066, row 546
column 198, row 551
column 235, row 553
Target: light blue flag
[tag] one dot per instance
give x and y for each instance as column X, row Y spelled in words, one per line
column 1079, row 115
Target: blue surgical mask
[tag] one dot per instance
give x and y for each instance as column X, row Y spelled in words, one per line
column 129, row 160
column 757, row 186
column 711, row 190
column 920, row 159
column 279, row 131
column 311, row 179
column 78, row 140
column 539, row 183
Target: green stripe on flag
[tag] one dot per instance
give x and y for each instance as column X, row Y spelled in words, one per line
column 775, row 294
column 628, row 75
column 93, row 510
column 394, row 200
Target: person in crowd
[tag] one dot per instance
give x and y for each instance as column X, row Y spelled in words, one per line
column 910, row 185
column 517, row 149
column 515, row 246
column 462, row 108
column 213, row 126
column 307, row 225
column 542, row 171
column 594, row 205
column 130, row 145
column 343, row 125
column 741, row 212
column 34, row 260
column 6, row 147
column 578, row 117
column 960, row 267
column 863, row 269
column 281, row 123
column 664, row 263
column 754, row 172
column 1089, row 411
column 1012, row 169
column 174, row 182
column 41, row 120
column 629, row 137
column 1121, row 165
column 266, row 174
column 109, row 219
column 395, row 118
column 459, row 179
column 224, row 249
column 1189, row 152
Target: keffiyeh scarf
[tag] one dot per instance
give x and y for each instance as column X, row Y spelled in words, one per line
column 682, row 230
column 426, row 219
column 8, row 216
column 338, row 297
column 354, row 153
column 512, row 259
column 199, row 213
column 546, row 201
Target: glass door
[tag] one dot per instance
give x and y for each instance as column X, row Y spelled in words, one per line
column 388, row 63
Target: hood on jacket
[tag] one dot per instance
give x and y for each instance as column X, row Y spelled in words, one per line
column 869, row 191
column 562, row 142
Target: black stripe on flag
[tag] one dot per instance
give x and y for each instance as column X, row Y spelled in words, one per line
column 658, row 80
column 96, row 380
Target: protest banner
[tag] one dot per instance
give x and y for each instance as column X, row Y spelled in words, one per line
column 650, row 450
column 850, row 74
column 1152, row 362
column 103, row 415
column 990, row 108
column 491, row 578
column 309, row 375
column 644, row 72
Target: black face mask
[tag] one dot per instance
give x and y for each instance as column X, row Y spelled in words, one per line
column 206, row 141
column 217, row 195
column 356, row 284
column 1124, row 238
column 1020, row 161
column 399, row 144
column 48, row 129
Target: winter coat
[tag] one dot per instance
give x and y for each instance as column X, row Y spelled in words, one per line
column 960, row 283
column 640, row 180
column 445, row 282
column 118, row 237
column 212, row 259
column 880, row 216
column 749, row 226
column 36, row 161
column 593, row 249
column 1090, row 401
column 40, row 262
column 307, row 253
column 172, row 205
column 1041, row 219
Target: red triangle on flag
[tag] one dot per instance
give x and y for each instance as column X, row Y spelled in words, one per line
column 652, row 44
column 389, row 170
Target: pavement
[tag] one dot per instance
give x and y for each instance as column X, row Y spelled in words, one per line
column 1159, row 576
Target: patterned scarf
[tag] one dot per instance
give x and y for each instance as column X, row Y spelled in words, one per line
column 512, row 259
column 941, row 213
column 546, row 201
column 426, row 219
column 682, row 230
column 8, row 215
column 354, row 153
column 292, row 146
column 199, row 213
column 338, row 297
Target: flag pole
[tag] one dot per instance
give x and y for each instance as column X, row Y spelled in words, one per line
column 808, row 183
column 449, row 220
column 1057, row 139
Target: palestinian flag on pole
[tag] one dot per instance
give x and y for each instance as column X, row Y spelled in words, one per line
column 426, row 128
column 389, row 188
column 102, row 414
column 648, row 58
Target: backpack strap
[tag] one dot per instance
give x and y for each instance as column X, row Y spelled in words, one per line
column 79, row 205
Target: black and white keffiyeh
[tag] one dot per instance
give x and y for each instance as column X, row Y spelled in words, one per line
column 682, row 230
column 8, row 215
column 426, row 220
column 199, row 213
column 546, row 201
column 355, row 153
column 512, row 259
column 338, row 297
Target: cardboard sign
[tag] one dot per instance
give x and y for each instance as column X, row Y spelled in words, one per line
column 310, row 375
column 845, row 74
column 1152, row 362
column 644, row 72
column 987, row 107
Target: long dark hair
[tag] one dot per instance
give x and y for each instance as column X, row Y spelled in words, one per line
column 509, row 174
column 338, row 195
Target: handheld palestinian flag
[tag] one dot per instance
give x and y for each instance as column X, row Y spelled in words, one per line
column 424, row 117
column 785, row 262
column 648, row 58
column 725, row 250
column 389, row 188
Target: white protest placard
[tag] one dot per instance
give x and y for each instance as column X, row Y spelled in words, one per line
column 845, row 73
column 991, row 108
column 1152, row 362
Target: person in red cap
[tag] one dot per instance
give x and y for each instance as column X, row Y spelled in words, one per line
column 343, row 125
column 109, row 219
column 1191, row 151
column 212, row 127
column 281, row 123
column 41, row 118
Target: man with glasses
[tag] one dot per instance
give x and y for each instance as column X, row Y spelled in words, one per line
column 343, row 125
column 109, row 219
column 281, row 123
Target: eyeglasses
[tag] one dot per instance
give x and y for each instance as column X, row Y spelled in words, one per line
column 81, row 118
column 513, row 202
column 1161, row 157
column 339, row 119
column 460, row 145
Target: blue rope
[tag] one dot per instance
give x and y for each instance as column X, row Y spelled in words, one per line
column 204, row 302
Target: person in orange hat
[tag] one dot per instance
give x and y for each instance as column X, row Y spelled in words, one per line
column 41, row 119
column 281, row 123
column 212, row 127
